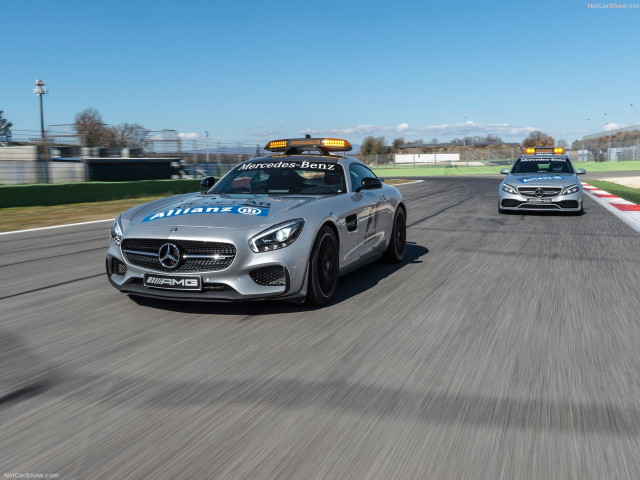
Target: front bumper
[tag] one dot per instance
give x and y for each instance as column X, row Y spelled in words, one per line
column 246, row 278
column 560, row 203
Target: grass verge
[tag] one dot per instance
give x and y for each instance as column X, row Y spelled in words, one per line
column 628, row 193
column 23, row 218
column 428, row 171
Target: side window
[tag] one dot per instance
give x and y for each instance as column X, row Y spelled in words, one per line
column 357, row 172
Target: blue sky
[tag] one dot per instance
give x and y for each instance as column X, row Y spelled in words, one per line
column 252, row 71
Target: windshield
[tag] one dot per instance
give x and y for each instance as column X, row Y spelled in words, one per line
column 542, row 165
column 298, row 177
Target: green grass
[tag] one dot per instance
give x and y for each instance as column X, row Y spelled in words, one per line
column 608, row 166
column 628, row 193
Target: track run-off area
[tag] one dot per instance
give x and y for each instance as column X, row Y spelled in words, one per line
column 504, row 346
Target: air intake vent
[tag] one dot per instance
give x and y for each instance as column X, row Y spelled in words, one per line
column 274, row 276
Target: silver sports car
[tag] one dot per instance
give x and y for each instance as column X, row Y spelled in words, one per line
column 542, row 180
column 283, row 227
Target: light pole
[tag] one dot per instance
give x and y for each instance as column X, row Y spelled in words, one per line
column 630, row 114
column 40, row 90
column 206, row 134
column 43, row 174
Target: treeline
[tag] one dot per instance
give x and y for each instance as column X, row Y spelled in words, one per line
column 93, row 132
column 378, row 145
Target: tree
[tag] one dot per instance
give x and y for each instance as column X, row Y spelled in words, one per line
column 89, row 127
column 538, row 139
column 562, row 143
column 373, row 146
column 5, row 126
column 397, row 143
column 493, row 140
column 130, row 135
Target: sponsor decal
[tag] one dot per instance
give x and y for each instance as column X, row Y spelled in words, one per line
column 236, row 209
column 301, row 165
column 535, row 179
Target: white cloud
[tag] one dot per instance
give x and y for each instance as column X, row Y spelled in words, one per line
column 468, row 128
column 189, row 136
column 613, row 126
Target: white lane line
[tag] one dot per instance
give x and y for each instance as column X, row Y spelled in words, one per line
column 407, row 183
column 633, row 222
column 56, row 226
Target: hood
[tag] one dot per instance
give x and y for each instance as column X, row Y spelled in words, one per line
column 218, row 210
column 542, row 179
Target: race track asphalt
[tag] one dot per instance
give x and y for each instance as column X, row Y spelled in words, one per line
column 505, row 346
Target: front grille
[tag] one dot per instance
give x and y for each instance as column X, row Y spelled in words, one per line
column 117, row 267
column 194, row 256
column 530, row 191
column 274, row 276
column 539, row 206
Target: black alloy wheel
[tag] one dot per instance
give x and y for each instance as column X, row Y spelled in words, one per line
column 398, row 243
column 323, row 268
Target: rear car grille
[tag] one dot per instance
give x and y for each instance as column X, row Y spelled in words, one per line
column 194, row 256
column 274, row 276
column 530, row 191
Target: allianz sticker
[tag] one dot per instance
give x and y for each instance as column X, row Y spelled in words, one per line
column 237, row 209
column 535, row 179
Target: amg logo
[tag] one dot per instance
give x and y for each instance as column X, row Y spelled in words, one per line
column 173, row 282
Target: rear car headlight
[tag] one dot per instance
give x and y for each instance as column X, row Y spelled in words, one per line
column 116, row 231
column 278, row 236
column 570, row 189
column 509, row 189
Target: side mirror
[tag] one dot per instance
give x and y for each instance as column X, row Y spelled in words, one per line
column 581, row 171
column 504, row 171
column 207, row 182
column 370, row 183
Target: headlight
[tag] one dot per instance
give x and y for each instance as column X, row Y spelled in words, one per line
column 509, row 189
column 278, row 236
column 570, row 189
column 116, row 231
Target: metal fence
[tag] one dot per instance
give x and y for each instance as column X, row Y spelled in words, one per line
column 70, row 162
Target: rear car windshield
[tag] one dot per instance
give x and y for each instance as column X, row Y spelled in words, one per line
column 542, row 165
column 286, row 177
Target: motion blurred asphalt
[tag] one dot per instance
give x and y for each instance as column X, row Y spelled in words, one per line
column 505, row 346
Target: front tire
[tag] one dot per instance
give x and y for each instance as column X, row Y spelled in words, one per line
column 323, row 268
column 398, row 243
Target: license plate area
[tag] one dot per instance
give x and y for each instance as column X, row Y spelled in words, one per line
column 173, row 282
column 539, row 200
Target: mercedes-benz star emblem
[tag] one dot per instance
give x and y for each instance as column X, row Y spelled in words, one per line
column 169, row 255
column 539, row 192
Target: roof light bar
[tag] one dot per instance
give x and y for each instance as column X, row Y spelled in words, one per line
column 544, row 150
column 328, row 144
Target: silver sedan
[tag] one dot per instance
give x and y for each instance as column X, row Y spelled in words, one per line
column 541, row 183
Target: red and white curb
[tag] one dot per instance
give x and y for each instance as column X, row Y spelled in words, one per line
column 627, row 211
